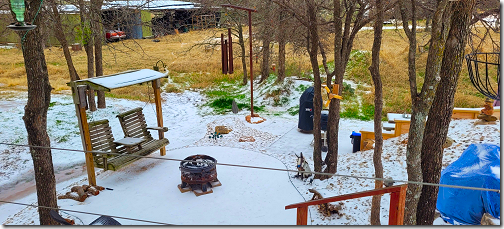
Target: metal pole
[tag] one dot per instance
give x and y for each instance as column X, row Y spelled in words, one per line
column 250, row 10
column 230, row 49
column 251, row 69
column 222, row 53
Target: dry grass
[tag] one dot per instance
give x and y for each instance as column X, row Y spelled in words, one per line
column 200, row 68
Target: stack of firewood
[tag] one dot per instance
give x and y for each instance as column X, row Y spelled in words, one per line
column 81, row 193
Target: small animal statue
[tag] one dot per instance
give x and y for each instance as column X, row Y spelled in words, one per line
column 302, row 165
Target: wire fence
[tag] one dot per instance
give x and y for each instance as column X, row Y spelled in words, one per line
column 83, row 212
column 266, row 168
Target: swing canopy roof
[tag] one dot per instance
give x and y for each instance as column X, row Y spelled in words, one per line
column 121, row 79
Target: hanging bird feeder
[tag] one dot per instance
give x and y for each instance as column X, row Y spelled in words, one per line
column 18, row 7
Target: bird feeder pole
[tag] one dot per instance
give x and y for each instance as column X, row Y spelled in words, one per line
column 251, row 54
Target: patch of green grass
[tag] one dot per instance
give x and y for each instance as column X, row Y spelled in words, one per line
column 302, row 88
column 54, row 63
column 52, row 104
column 293, row 110
column 63, row 138
column 348, row 91
column 330, row 66
column 223, row 105
column 59, row 121
column 352, row 111
column 368, row 112
column 357, row 66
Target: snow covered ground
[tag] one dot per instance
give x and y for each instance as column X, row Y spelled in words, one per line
column 147, row 189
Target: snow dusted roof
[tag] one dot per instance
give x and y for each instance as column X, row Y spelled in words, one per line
column 140, row 4
column 153, row 5
column 122, row 79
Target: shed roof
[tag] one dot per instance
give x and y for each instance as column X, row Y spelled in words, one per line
column 138, row 4
column 121, row 79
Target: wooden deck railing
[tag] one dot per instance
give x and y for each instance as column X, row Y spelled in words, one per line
column 396, row 212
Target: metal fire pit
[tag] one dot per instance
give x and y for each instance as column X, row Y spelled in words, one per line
column 198, row 172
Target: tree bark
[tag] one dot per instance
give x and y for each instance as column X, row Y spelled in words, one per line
column 378, row 101
column 331, row 159
column 421, row 102
column 35, row 117
column 265, row 70
column 266, row 42
column 436, row 128
column 98, row 37
column 86, row 27
column 60, row 35
column 317, row 107
column 282, row 42
column 241, row 42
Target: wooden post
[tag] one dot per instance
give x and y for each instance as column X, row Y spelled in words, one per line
column 302, row 216
column 230, row 50
column 156, row 84
column 79, row 93
column 335, row 89
column 397, row 200
column 225, row 53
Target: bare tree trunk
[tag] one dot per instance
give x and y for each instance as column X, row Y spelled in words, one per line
column 88, row 46
column 265, row 70
column 60, row 35
column 378, row 101
column 282, row 41
column 35, row 117
column 317, row 107
column 436, row 128
column 241, row 42
column 331, row 159
column 421, row 102
column 266, row 42
column 98, row 37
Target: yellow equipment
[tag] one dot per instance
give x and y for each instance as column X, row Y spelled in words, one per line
column 333, row 95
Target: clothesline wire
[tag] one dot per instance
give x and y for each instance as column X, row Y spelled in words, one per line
column 266, row 168
column 83, row 212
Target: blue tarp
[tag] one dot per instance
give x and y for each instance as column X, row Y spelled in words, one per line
column 478, row 166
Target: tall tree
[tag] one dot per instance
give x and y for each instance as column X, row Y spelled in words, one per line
column 35, row 117
column 87, row 37
column 436, row 128
column 421, row 101
column 266, row 36
column 282, row 42
column 378, row 102
column 348, row 18
column 312, row 45
column 97, row 29
column 60, row 35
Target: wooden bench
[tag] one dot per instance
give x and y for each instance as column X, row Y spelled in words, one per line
column 471, row 113
column 397, row 124
column 103, row 140
column 134, row 126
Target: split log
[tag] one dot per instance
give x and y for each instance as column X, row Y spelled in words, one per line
column 79, row 190
column 326, row 209
column 92, row 190
column 73, row 196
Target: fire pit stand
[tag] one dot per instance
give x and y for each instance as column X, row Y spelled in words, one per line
column 198, row 174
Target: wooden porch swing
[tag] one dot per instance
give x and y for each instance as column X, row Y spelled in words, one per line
column 97, row 135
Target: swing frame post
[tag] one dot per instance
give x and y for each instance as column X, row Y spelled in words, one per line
column 79, row 96
column 156, row 85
